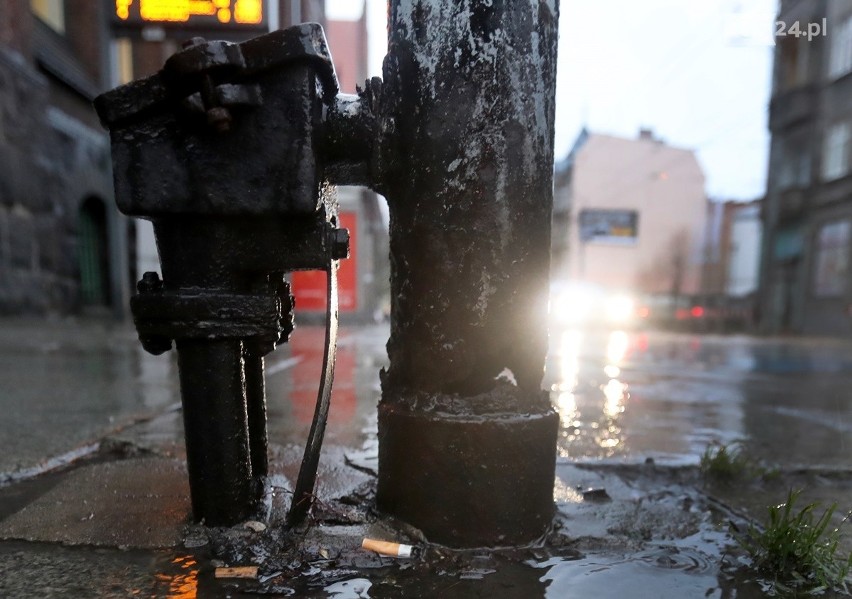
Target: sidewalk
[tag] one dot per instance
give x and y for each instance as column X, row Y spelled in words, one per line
column 114, row 521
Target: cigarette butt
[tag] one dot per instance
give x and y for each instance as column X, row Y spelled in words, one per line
column 387, row 548
column 237, row 572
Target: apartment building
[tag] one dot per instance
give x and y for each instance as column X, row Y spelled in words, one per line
column 807, row 216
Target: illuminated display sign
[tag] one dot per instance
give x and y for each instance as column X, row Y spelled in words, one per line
column 191, row 14
column 609, row 226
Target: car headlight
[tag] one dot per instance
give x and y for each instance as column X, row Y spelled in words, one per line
column 573, row 306
column 619, row 308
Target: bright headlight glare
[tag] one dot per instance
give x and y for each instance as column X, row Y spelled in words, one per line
column 619, row 308
column 573, row 306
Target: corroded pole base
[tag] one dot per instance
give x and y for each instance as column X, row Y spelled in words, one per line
column 465, row 479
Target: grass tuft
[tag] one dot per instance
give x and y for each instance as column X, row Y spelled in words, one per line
column 723, row 463
column 797, row 549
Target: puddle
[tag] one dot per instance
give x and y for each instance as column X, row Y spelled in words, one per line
column 646, row 575
column 177, row 577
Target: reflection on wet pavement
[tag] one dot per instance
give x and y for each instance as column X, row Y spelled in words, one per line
column 182, row 584
column 635, row 395
column 292, row 390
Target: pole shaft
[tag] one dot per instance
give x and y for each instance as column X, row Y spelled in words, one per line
column 471, row 91
column 469, row 96
column 216, row 428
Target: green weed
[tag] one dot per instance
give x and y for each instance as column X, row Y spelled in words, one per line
column 797, row 549
column 727, row 463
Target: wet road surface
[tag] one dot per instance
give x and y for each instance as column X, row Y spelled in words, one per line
column 628, row 396
column 637, row 410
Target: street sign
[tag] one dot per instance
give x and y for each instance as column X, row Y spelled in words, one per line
column 609, row 226
column 208, row 15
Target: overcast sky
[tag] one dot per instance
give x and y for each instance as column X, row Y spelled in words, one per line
column 697, row 72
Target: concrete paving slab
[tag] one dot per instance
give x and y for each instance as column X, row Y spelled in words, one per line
column 135, row 503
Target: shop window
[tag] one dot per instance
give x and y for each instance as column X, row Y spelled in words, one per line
column 832, row 260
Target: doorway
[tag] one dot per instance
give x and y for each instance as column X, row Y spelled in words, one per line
column 93, row 255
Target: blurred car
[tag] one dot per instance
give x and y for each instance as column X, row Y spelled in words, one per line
column 718, row 314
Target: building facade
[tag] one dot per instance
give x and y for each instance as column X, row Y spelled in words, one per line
column 629, row 215
column 731, row 269
column 806, row 252
column 63, row 246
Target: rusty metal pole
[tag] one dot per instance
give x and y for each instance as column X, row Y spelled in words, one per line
column 466, row 436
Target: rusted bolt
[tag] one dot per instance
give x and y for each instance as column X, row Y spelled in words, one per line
column 219, row 118
column 154, row 344
column 149, row 283
column 340, row 244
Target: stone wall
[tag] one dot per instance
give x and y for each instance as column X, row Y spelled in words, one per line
column 49, row 163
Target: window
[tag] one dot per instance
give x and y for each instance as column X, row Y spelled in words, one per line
column 51, row 12
column 789, row 243
column 123, row 60
column 832, row 260
column 836, row 152
column 793, row 57
column 840, row 54
column 794, row 169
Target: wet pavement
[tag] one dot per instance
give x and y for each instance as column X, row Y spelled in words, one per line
column 94, row 501
column 66, row 384
column 627, row 395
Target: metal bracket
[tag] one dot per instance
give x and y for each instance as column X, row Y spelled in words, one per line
column 162, row 316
